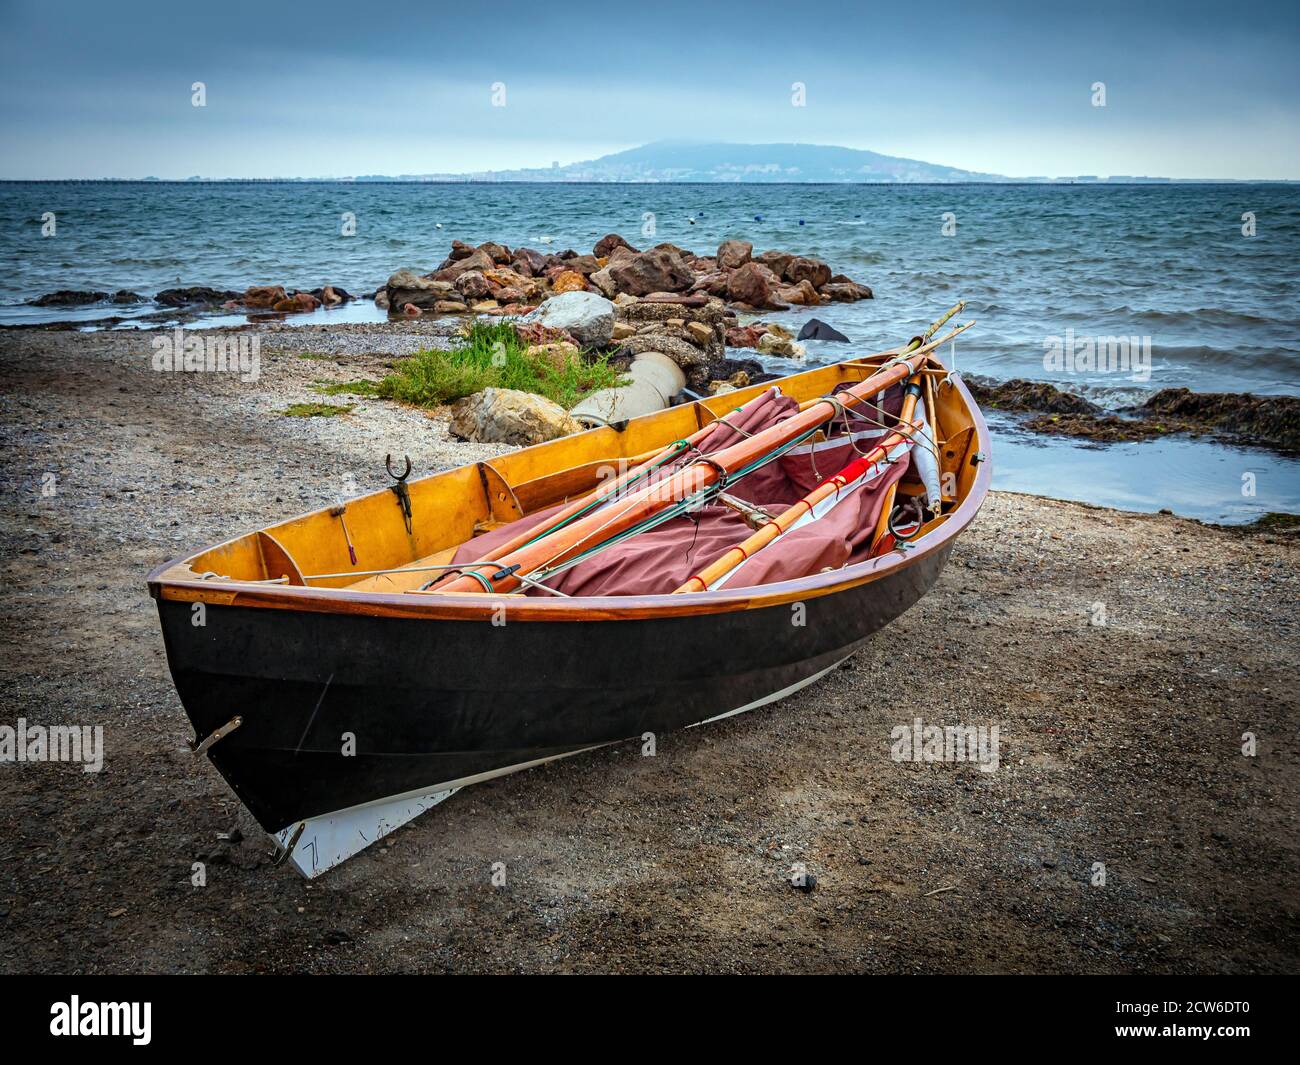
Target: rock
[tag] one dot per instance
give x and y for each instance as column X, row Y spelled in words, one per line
column 331, row 296
column 622, row 330
column 406, row 286
column 745, row 336
column 625, row 299
column 608, row 243
column 586, row 317
column 776, row 261
column 847, row 291
column 740, row 379
column 604, row 281
column 733, row 254
column 816, row 329
column 699, row 332
column 801, row 269
column 483, row 306
column 66, row 297
column 381, row 299
column 498, row 253
column 779, row 330
column 703, row 265
column 472, row 285
column 715, row 284
column 298, row 303
column 450, row 307
column 196, row 294
column 507, row 416
column 750, row 284
column 583, row 264
column 536, row 261
column 478, row 260
column 411, row 310
column 569, row 281
column 460, row 250
column 771, row 344
column 123, row 295
column 802, row 294
column 656, row 270
column 510, row 295
column 619, row 255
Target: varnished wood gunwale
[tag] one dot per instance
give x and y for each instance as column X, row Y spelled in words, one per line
column 972, row 488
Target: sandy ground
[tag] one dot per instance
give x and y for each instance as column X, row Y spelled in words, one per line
column 1120, row 744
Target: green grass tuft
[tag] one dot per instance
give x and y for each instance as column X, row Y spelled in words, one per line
column 351, row 388
column 316, row 410
column 493, row 356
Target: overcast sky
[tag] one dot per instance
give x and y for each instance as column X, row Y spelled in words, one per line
column 331, row 89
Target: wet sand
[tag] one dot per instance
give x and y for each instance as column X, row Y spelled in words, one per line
column 1120, row 743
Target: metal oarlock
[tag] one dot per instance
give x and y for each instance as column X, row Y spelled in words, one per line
column 399, row 489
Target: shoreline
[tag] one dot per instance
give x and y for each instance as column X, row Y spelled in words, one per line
column 1120, row 743
column 1200, row 470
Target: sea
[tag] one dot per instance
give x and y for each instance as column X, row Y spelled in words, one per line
column 1108, row 290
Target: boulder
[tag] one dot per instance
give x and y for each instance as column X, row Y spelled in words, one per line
column 498, row 253
column 507, row 416
column 604, row 281
column 298, row 303
column 67, row 297
column 714, row 284
column 478, row 260
column 745, row 336
column 847, row 291
column 656, row 270
column 406, row 286
column 123, row 295
column 381, row 299
column 608, row 243
column 816, row 329
column 460, row 250
column 772, row 344
column 472, row 285
column 536, row 261
column 196, row 294
column 264, row 295
column 583, row 264
column 733, row 254
column 750, row 284
column 802, row 294
column 801, row 269
column 450, row 307
column 586, row 317
column 569, row 281
column 776, row 261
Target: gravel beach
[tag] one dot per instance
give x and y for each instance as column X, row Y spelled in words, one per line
column 1124, row 830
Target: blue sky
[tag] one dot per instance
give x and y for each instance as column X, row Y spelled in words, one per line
column 334, row 89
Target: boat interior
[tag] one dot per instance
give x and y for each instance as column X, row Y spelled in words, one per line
column 393, row 539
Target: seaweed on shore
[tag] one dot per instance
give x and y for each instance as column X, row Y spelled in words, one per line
column 1230, row 417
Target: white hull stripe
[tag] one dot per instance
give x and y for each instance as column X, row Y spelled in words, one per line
column 330, row 839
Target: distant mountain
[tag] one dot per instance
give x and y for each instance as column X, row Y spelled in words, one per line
column 665, row 161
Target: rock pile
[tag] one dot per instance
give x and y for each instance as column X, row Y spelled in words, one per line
column 493, row 279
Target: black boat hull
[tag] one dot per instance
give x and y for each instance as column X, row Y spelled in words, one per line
column 344, row 709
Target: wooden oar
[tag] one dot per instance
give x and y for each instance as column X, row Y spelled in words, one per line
column 746, row 549
column 590, row 530
column 640, row 464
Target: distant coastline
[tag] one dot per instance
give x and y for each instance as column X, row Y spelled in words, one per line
column 701, row 163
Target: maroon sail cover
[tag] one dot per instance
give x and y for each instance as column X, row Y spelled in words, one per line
column 664, row 558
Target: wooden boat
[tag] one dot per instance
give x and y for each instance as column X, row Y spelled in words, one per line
column 339, row 699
